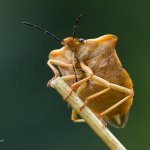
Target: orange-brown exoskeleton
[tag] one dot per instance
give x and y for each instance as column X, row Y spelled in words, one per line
column 93, row 70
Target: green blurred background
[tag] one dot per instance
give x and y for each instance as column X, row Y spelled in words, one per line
column 34, row 117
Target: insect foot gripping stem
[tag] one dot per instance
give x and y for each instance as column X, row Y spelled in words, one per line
column 102, row 120
column 85, row 104
column 56, row 73
column 49, row 82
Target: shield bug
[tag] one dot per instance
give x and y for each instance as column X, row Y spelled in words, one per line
column 93, row 70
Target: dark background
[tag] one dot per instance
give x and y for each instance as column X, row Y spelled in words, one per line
column 34, row 117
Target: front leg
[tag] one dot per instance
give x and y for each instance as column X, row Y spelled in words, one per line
column 51, row 64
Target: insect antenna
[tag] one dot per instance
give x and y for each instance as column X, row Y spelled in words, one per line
column 43, row 30
column 76, row 25
column 74, row 35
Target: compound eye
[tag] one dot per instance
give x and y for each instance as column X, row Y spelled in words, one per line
column 81, row 40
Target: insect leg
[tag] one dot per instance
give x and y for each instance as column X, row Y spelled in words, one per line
column 70, row 77
column 89, row 73
column 115, row 105
column 105, row 83
column 92, row 97
column 59, row 63
column 77, row 84
column 116, row 87
column 56, row 72
column 81, row 87
column 74, row 113
column 86, row 69
column 74, row 117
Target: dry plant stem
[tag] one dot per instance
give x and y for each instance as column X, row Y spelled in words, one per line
column 76, row 103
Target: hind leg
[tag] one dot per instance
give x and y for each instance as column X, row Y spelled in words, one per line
column 105, row 83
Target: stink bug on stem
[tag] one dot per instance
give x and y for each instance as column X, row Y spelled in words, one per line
column 93, row 70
